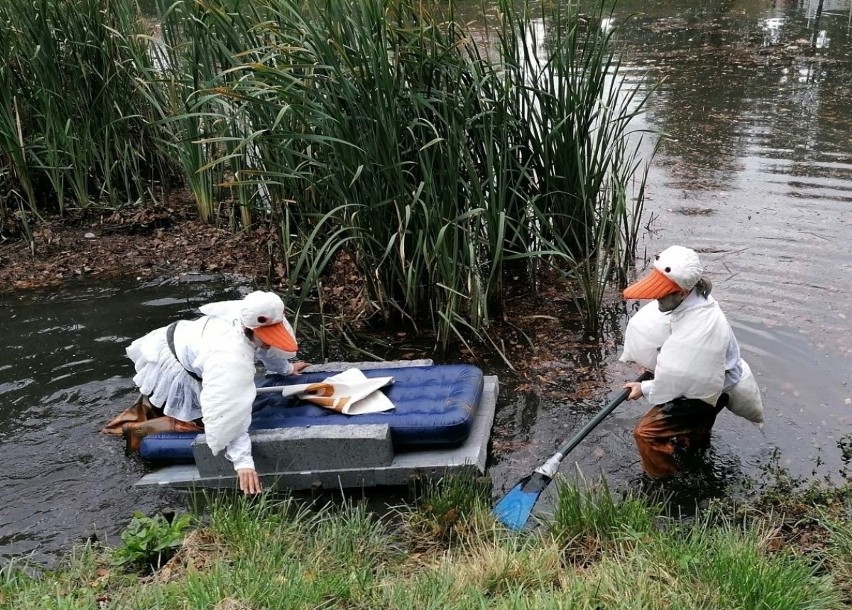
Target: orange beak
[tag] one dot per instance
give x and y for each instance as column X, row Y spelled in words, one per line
column 277, row 336
column 655, row 285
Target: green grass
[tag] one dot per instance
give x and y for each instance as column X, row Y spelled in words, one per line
column 594, row 552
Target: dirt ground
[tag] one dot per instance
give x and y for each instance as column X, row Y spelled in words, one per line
column 140, row 242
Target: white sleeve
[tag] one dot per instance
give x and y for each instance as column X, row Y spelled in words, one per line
column 648, row 388
column 239, row 452
column 275, row 360
column 228, row 389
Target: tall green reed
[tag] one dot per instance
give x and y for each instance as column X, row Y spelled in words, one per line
column 579, row 148
column 435, row 155
column 451, row 164
column 380, row 127
column 72, row 127
column 217, row 117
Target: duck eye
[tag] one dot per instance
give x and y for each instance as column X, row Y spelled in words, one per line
column 261, row 319
column 668, row 269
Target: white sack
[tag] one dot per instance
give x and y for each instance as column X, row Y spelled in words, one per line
column 744, row 398
column 646, row 332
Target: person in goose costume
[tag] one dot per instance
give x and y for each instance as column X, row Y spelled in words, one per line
column 198, row 375
column 685, row 339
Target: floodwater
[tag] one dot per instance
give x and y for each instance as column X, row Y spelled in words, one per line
column 755, row 173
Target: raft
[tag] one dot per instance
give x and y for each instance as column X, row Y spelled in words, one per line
column 440, row 424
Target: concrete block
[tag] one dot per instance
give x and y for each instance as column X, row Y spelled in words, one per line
column 305, row 449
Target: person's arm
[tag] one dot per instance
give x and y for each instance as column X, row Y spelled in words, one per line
column 227, row 394
column 277, row 361
column 239, row 452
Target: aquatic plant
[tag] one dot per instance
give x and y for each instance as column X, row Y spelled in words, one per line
column 72, row 125
column 383, row 128
column 438, row 157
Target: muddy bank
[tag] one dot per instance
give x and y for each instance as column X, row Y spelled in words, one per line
column 135, row 242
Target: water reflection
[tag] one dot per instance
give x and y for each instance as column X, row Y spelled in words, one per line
column 810, row 7
column 773, row 29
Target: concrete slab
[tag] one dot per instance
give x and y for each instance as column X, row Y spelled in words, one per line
column 339, row 367
column 287, row 449
column 469, row 458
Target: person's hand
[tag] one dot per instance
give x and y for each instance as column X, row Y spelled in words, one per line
column 635, row 390
column 249, row 481
column 299, row 366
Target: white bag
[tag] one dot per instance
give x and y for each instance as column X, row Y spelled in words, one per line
column 744, row 398
column 350, row 392
column 646, row 332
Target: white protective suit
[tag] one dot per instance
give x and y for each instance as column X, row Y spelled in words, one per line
column 699, row 356
column 215, row 348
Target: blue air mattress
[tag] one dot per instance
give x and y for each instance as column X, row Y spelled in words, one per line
column 434, row 407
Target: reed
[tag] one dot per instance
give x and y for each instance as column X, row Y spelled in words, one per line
column 72, row 127
column 437, row 156
column 382, row 128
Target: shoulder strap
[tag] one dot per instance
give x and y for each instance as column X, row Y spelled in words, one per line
column 170, row 339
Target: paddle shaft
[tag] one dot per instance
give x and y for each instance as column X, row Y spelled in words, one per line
column 272, row 389
column 584, row 431
column 515, row 508
column 550, row 467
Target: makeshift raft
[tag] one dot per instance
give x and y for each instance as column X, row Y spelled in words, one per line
column 440, row 426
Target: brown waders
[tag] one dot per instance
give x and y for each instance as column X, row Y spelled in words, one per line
column 668, row 430
column 142, row 419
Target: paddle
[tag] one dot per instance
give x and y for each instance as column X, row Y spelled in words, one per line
column 515, row 508
column 272, row 389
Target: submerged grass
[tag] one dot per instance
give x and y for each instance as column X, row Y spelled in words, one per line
column 278, row 553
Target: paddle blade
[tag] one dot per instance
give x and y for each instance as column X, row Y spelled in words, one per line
column 515, row 508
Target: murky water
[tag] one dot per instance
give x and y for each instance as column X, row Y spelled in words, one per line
column 756, row 174
column 63, row 373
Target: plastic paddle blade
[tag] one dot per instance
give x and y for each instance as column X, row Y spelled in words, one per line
column 515, row 508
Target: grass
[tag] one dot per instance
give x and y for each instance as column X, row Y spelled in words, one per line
column 592, row 552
